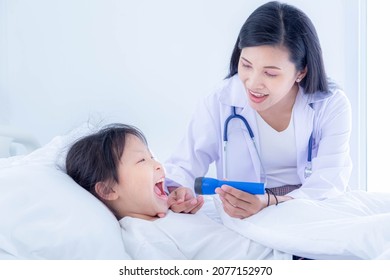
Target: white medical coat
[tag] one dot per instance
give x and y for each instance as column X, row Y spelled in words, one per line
column 327, row 115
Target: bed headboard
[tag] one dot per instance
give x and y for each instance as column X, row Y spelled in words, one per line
column 11, row 137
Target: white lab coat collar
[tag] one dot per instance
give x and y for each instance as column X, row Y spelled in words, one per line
column 234, row 93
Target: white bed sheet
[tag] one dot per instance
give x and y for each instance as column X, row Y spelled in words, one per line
column 190, row 237
column 354, row 225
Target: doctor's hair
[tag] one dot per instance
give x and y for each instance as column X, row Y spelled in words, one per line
column 282, row 25
column 95, row 158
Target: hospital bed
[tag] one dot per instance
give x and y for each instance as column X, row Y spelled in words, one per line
column 44, row 214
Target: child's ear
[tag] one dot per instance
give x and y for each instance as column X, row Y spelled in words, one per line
column 105, row 192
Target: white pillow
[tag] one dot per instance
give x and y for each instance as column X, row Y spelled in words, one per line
column 44, row 214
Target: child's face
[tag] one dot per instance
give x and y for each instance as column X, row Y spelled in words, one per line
column 141, row 182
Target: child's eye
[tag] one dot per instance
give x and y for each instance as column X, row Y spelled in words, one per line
column 141, row 160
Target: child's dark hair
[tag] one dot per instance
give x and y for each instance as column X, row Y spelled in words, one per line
column 95, row 158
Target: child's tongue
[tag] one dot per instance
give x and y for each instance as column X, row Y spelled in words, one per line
column 159, row 191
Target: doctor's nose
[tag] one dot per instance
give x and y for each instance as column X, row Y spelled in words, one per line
column 255, row 82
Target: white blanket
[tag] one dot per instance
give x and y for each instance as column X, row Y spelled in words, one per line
column 184, row 236
column 355, row 225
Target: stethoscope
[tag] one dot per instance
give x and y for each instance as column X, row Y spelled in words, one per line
column 308, row 169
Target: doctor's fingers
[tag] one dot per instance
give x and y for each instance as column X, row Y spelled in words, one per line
column 235, row 197
column 198, row 205
column 179, row 195
column 228, row 199
column 183, row 194
column 237, row 193
column 189, row 206
column 232, row 210
column 250, row 206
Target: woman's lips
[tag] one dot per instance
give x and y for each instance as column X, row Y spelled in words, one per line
column 257, row 97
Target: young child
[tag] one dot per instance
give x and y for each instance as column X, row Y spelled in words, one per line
column 116, row 165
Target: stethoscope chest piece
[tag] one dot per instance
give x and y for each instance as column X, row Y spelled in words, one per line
column 307, row 172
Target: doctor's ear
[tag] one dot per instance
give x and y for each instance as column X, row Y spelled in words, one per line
column 301, row 74
column 104, row 191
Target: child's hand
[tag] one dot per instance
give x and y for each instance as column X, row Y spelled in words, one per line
column 182, row 200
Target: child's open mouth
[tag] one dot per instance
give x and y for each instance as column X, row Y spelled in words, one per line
column 159, row 189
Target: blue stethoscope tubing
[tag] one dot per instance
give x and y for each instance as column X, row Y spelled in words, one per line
column 308, row 170
column 234, row 115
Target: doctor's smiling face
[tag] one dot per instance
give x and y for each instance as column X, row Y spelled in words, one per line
column 269, row 77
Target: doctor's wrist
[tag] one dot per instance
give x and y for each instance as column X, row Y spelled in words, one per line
column 269, row 198
column 263, row 201
column 277, row 199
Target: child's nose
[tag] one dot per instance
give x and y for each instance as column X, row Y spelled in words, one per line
column 157, row 165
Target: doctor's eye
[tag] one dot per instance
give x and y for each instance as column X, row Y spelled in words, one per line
column 245, row 65
column 270, row 74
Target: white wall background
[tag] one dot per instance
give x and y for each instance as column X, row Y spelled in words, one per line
column 378, row 97
column 149, row 62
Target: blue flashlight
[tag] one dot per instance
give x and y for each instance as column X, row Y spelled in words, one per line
column 205, row 185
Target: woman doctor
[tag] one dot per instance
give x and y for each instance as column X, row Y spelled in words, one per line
column 300, row 121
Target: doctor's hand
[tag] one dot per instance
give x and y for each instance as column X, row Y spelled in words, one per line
column 182, row 200
column 240, row 204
